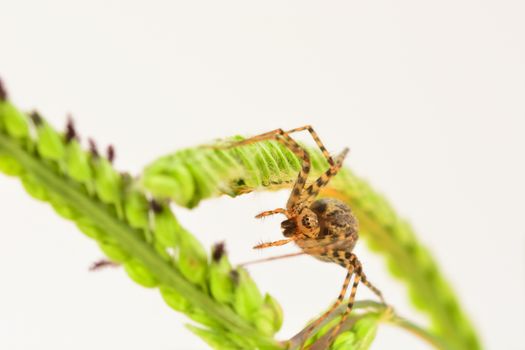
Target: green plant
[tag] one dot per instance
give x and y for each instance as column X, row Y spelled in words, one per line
column 131, row 220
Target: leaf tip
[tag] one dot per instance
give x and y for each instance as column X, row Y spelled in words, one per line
column 36, row 118
column 156, row 206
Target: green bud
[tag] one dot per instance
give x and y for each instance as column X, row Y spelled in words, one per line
column 162, row 251
column 373, row 245
column 325, row 329
column 107, row 182
column 365, row 331
column 165, row 180
column 14, row 121
column 35, row 189
column 113, row 252
column 214, row 338
column 220, row 281
column 264, row 320
column 415, row 296
column 175, row 300
column 166, row 226
column 245, row 155
column 49, row 143
column 61, row 207
column 192, row 260
column 136, row 209
column 394, row 268
column 403, row 232
column 10, row 166
column 203, row 318
column 242, row 342
column 424, row 262
column 205, row 183
column 140, row 274
column 86, row 226
column 77, row 163
column 344, row 341
column 277, row 312
column 247, row 298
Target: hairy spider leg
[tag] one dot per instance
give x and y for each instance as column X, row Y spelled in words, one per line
column 300, row 198
column 281, row 136
column 373, row 288
column 317, row 141
column 355, row 268
column 274, row 244
column 272, row 212
column 303, row 155
column 278, row 257
column 350, row 305
column 269, row 135
column 313, row 190
column 334, row 306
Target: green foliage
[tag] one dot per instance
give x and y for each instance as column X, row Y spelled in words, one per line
column 269, row 166
column 156, row 251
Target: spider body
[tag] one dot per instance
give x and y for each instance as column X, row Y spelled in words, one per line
column 335, row 225
column 325, row 228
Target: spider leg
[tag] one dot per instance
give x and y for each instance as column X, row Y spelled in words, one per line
column 271, row 135
column 281, row 136
column 313, row 190
column 272, row 258
column 350, row 305
column 317, row 141
column 334, row 306
column 273, row 244
column 272, row 212
column 373, row 288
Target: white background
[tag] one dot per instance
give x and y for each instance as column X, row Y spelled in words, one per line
column 429, row 96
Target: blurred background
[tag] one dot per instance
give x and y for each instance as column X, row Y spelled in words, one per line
column 429, row 96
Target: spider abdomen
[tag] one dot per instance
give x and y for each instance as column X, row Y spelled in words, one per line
column 335, row 218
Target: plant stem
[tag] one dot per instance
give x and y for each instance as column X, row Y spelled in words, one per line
column 76, row 198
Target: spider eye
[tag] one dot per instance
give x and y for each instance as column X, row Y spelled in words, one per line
column 309, row 221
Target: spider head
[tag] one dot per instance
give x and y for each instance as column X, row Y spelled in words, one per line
column 306, row 223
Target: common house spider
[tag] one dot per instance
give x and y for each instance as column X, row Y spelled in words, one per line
column 323, row 228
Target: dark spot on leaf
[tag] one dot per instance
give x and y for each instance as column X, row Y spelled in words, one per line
column 234, row 275
column 36, row 118
column 156, row 206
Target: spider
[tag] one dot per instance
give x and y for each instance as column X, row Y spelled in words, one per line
column 323, row 228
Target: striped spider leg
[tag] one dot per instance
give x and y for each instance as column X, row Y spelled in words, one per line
column 323, row 228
